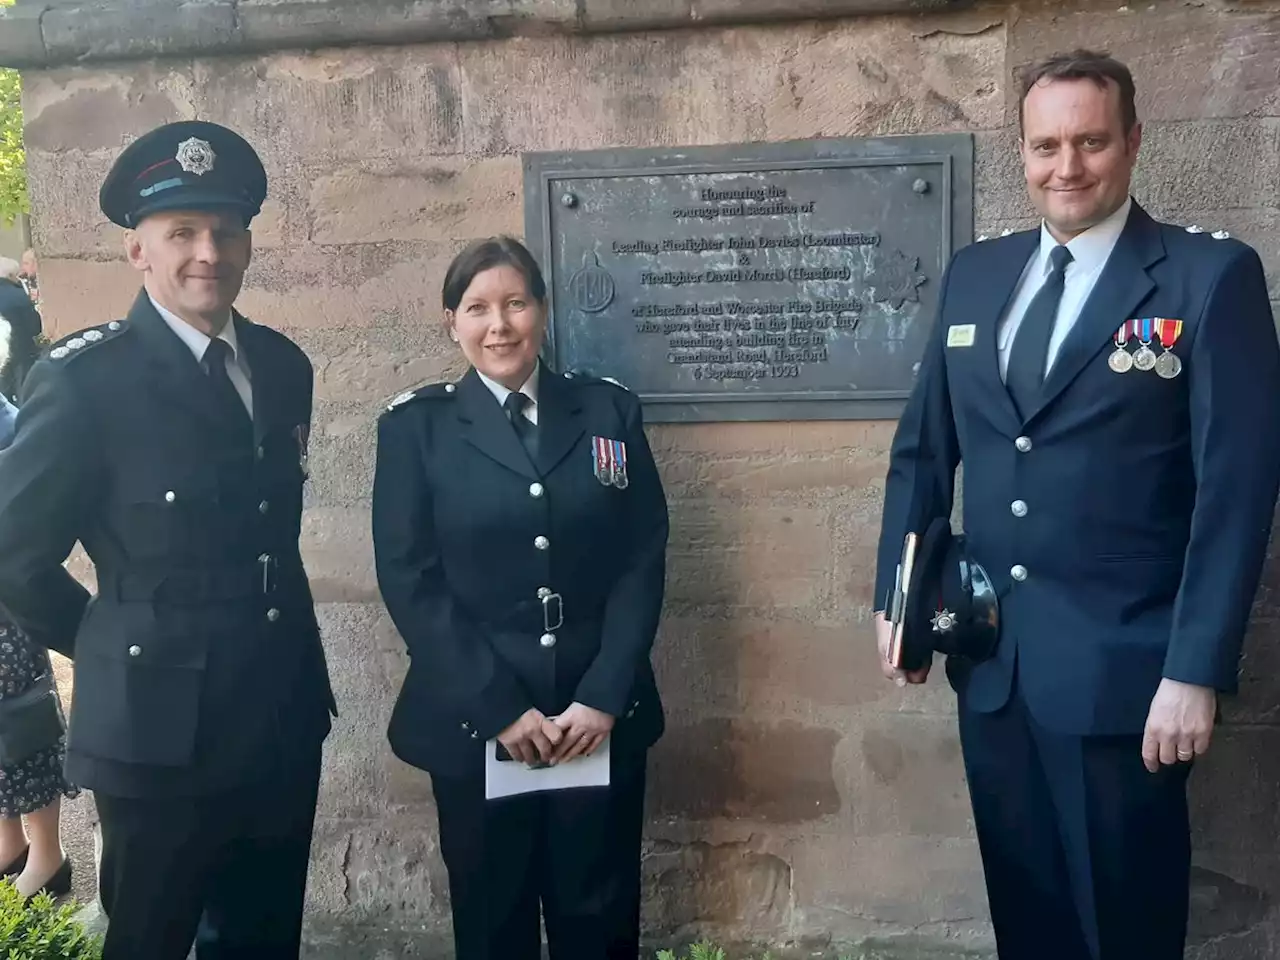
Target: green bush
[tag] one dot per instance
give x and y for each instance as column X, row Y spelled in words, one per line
column 41, row 931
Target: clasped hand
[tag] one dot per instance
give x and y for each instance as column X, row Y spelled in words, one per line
column 536, row 738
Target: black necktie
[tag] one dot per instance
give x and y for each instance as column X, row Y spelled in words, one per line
column 214, row 363
column 514, row 406
column 1024, row 375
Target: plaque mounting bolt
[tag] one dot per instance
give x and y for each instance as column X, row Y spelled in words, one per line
column 920, row 186
column 568, row 200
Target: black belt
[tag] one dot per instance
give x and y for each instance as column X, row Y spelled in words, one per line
column 258, row 579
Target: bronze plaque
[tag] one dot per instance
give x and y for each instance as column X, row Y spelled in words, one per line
column 784, row 281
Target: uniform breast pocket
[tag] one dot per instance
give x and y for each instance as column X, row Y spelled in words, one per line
column 138, row 688
column 162, row 512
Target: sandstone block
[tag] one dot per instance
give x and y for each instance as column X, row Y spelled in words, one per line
column 342, row 455
column 773, row 556
column 21, row 42
column 82, row 293
column 445, row 199
column 705, row 886
column 782, row 668
column 845, row 78
column 354, row 784
column 902, row 776
column 387, row 870
column 743, row 769
column 337, row 547
column 1208, row 165
column 66, row 220
column 138, row 30
column 1235, row 797
column 330, row 108
column 853, row 886
column 1189, row 63
column 72, row 111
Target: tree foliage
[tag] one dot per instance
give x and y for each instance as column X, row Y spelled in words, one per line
column 13, row 158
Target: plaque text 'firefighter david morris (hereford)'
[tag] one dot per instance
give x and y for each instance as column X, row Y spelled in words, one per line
column 793, row 281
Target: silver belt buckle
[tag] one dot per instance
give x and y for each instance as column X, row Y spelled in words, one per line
column 547, row 601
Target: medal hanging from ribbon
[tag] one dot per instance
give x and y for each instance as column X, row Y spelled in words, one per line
column 1167, row 364
column 1144, row 358
column 610, row 461
column 1121, row 361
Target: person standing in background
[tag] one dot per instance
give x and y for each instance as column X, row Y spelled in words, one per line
column 24, row 329
column 28, row 278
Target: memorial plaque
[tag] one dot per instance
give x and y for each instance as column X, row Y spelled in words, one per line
column 785, row 281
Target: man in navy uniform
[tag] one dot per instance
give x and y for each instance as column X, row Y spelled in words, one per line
column 172, row 445
column 1112, row 387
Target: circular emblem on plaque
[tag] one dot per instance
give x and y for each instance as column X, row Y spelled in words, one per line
column 591, row 287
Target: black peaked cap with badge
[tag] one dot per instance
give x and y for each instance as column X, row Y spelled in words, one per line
column 187, row 165
column 950, row 605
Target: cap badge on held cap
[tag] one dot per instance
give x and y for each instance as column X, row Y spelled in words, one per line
column 196, row 156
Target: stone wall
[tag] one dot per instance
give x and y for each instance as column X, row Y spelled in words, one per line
column 797, row 797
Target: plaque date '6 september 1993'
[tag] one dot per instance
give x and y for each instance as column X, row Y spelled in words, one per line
column 757, row 282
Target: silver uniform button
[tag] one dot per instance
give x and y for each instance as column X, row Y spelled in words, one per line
column 548, row 640
column 475, row 735
column 449, row 388
column 170, row 496
column 263, row 507
column 273, row 614
column 135, row 651
column 1023, row 444
column 544, row 592
column 1018, row 508
column 535, row 490
column 1018, row 572
column 541, row 543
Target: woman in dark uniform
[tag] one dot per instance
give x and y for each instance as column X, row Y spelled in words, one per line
column 520, row 530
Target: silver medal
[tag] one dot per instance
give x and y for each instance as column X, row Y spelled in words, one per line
column 1144, row 358
column 1168, row 365
column 1121, row 361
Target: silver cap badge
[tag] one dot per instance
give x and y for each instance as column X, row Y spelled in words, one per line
column 196, row 156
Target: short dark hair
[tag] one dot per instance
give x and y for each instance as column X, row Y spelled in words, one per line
column 482, row 255
column 1096, row 65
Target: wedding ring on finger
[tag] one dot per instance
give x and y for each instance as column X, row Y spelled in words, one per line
column 1185, row 754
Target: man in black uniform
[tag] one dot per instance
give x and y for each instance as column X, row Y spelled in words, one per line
column 1112, row 386
column 172, row 445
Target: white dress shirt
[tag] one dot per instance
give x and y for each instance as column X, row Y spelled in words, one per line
column 198, row 343
column 1090, row 252
column 529, row 389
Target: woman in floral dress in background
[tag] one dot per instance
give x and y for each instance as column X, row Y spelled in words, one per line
column 34, row 787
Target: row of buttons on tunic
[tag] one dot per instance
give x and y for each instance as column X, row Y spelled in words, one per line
column 1019, row 509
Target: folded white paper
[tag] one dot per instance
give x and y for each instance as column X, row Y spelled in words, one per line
column 508, row 778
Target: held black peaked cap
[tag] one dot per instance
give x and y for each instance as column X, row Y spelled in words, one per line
column 951, row 605
column 188, row 165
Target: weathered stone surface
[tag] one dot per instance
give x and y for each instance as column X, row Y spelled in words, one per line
column 337, row 546
column 443, row 199
column 72, row 110
column 385, row 871
column 852, row 887
column 88, row 31
column 778, row 557
column 128, row 31
column 1181, row 166
column 81, row 293
column 846, row 79
column 354, row 785
column 774, row 772
column 707, row 886
column 1190, row 62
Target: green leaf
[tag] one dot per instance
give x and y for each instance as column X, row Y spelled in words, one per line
column 13, row 157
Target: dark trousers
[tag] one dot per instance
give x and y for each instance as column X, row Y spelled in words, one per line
column 227, row 871
column 1087, row 855
column 577, row 852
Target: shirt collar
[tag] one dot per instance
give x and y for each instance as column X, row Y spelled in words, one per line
column 529, row 388
column 1091, row 249
column 196, row 341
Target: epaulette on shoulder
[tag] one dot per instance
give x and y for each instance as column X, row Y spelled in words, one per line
column 1196, row 229
column 582, row 377
column 432, row 391
column 79, row 342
